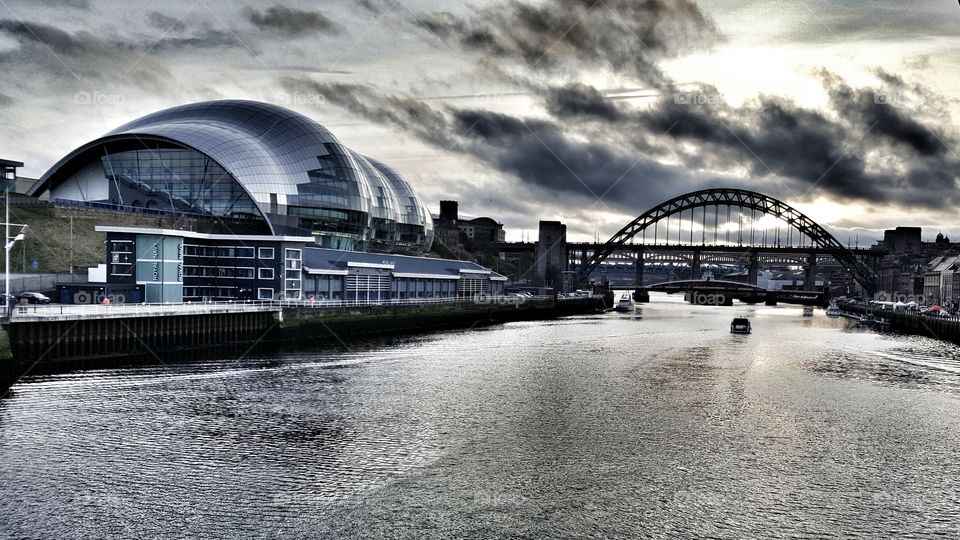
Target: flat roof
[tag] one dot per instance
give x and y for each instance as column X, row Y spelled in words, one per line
column 204, row 236
column 10, row 163
column 318, row 260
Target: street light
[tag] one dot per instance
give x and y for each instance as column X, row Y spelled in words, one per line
column 6, row 251
column 9, row 178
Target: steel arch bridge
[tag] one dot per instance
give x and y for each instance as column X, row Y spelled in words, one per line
column 743, row 199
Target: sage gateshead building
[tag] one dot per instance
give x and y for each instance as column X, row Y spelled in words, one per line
column 232, row 159
column 279, row 209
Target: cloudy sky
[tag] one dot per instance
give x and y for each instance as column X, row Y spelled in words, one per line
column 586, row 111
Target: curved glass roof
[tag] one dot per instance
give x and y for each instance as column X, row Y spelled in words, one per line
column 299, row 175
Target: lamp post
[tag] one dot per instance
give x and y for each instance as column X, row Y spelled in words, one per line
column 6, row 250
column 9, row 178
column 6, row 241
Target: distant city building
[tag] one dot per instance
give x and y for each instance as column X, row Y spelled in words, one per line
column 551, row 253
column 445, row 225
column 914, row 269
column 902, row 240
column 483, row 230
column 251, row 160
column 469, row 233
column 941, row 282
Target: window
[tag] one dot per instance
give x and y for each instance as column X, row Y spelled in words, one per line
column 244, row 252
column 266, row 253
column 265, row 294
column 292, row 273
column 265, row 273
column 245, row 273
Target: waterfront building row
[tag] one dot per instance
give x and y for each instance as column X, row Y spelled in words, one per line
column 161, row 265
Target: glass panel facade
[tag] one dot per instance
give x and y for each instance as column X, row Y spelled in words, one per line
column 175, row 179
column 241, row 159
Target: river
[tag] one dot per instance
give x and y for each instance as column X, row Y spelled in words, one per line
column 606, row 426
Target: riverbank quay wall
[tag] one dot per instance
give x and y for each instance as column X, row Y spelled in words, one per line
column 303, row 323
column 53, row 338
column 945, row 329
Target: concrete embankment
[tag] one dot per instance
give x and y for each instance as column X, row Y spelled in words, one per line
column 56, row 339
column 946, row 329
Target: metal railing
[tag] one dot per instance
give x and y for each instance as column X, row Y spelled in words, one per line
column 480, row 299
column 131, row 310
column 883, row 310
column 33, row 311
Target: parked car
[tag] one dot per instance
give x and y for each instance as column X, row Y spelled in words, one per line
column 33, row 298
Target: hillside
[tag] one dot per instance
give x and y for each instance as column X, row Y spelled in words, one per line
column 49, row 240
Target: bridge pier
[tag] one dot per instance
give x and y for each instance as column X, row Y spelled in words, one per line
column 810, row 277
column 639, row 276
column 695, row 265
column 753, row 272
column 641, row 295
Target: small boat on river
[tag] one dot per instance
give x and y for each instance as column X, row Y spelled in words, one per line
column 625, row 305
column 740, row 325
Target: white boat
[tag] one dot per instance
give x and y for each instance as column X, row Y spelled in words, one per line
column 833, row 311
column 625, row 304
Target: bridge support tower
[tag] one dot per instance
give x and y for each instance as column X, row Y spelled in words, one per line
column 639, row 275
column 753, row 271
column 810, row 277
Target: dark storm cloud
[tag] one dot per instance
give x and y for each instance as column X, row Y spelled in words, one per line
column 580, row 100
column 370, row 6
column 75, row 4
column 538, row 152
column 883, row 110
column 165, row 22
column 405, row 113
column 542, row 154
column 76, row 61
column 87, row 61
column 291, row 21
column 859, row 148
column 621, row 35
column 793, row 152
column 204, row 38
column 57, row 40
column 820, row 151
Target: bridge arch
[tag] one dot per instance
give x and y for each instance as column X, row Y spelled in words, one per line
column 740, row 198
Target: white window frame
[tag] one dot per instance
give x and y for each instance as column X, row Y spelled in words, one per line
column 260, row 253
column 260, row 273
column 260, row 293
column 253, row 273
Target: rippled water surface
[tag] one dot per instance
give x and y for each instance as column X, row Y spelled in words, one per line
column 604, row 426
